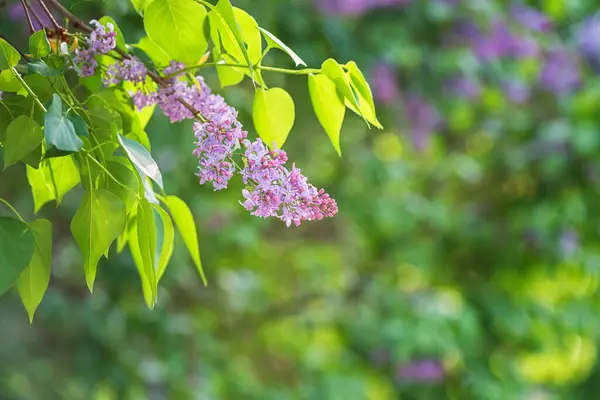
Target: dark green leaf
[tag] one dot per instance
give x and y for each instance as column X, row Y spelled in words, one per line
column 23, row 136
column 128, row 178
column 58, row 130
column 165, row 238
column 33, row 282
column 40, row 67
column 79, row 124
column 99, row 220
column 16, row 249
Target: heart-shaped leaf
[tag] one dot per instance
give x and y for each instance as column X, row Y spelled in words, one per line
column 16, row 249
column 273, row 114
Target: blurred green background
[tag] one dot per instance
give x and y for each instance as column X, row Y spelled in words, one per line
column 464, row 261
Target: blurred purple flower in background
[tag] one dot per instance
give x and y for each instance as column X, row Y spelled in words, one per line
column 16, row 13
column 569, row 242
column 501, row 42
column 426, row 370
column 531, row 18
column 560, row 73
column 356, row 7
column 385, row 84
column 588, row 40
column 465, row 87
column 423, row 119
column 516, row 91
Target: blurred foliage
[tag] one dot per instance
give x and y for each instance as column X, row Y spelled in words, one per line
column 464, row 263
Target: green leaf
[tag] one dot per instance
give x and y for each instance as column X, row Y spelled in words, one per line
column 328, row 106
column 39, row 46
column 140, row 5
column 16, row 249
column 40, row 67
column 99, row 220
column 120, row 38
column 33, row 282
column 79, row 124
column 273, row 114
column 142, row 159
column 275, row 42
column 52, row 180
column 228, row 76
column 146, row 243
column 23, row 136
column 9, row 56
column 156, row 54
column 222, row 18
column 128, row 178
column 336, row 73
column 165, row 238
column 176, row 27
column 8, row 82
column 184, row 221
column 363, row 91
column 59, row 130
column 5, row 120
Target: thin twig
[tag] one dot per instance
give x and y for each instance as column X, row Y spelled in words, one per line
column 20, row 52
column 35, row 14
column 26, row 8
column 77, row 23
column 54, row 21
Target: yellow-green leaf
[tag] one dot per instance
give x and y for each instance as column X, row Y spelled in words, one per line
column 273, row 114
column 328, row 106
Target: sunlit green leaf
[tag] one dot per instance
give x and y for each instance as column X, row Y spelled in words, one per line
column 140, row 5
column 8, row 82
column 23, row 136
column 328, row 106
column 33, row 282
column 273, row 41
column 146, row 243
column 336, row 73
column 128, row 178
column 184, row 221
column 39, row 46
column 156, row 54
column 16, row 249
column 176, row 27
column 9, row 56
column 99, row 220
column 363, row 91
column 273, row 113
column 52, row 180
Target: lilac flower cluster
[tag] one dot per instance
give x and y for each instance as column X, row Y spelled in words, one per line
column 132, row 70
column 101, row 41
column 277, row 192
column 272, row 190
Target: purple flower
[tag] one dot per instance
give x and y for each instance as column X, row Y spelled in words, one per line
column 516, row 91
column 385, row 84
column 560, row 73
column 588, row 40
column 465, row 87
column 132, row 70
column 427, row 370
column 423, row 120
column 101, row 41
column 530, row 18
column 501, row 42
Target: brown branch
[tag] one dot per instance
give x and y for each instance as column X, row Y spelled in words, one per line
column 54, row 21
column 35, row 15
column 29, row 22
column 78, row 23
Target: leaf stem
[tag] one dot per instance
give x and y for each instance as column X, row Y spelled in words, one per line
column 27, row 88
column 305, row 71
column 12, row 209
